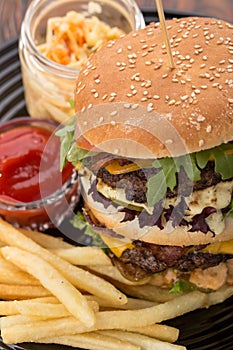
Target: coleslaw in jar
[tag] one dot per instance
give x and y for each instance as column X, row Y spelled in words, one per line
column 57, row 37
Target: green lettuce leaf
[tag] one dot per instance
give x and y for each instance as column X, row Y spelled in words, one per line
column 166, row 177
column 69, row 151
column 66, row 135
column 223, row 159
column 181, row 286
column 79, row 222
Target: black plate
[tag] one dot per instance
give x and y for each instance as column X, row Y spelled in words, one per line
column 207, row 329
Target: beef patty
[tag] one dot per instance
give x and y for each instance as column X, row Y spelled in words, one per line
column 134, row 183
column 146, row 258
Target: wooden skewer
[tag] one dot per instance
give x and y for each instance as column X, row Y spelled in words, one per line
column 164, row 29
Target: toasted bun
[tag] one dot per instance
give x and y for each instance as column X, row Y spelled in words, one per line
column 149, row 109
column 112, row 216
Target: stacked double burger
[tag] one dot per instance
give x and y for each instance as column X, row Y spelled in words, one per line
column 154, row 148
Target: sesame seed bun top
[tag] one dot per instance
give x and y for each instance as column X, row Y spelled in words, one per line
column 129, row 102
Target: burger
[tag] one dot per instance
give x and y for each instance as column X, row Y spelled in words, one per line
column 154, row 148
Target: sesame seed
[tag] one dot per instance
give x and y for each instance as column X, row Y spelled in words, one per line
column 204, row 87
column 201, row 143
column 119, row 50
column 184, row 97
column 156, row 97
column 135, row 106
column 230, row 100
column 127, row 105
column 169, row 141
column 143, row 99
column 113, row 122
column 200, row 118
column 208, row 128
column 171, row 102
column 149, row 107
column 96, row 95
column 104, row 97
column 113, row 113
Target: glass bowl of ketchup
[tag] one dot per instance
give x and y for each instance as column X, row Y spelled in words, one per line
column 34, row 193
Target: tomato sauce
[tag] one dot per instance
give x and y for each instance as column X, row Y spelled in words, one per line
column 33, row 191
column 27, row 165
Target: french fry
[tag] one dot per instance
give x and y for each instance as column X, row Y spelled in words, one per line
column 132, row 303
column 53, row 281
column 105, row 320
column 92, row 341
column 144, row 342
column 147, row 292
column 34, row 328
column 83, row 256
column 11, row 291
column 34, row 308
column 45, row 240
column 10, row 274
column 113, row 273
column 78, row 277
column 158, row 331
column 219, row 296
column 10, row 307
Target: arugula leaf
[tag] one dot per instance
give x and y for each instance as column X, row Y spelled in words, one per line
column 181, row 286
column 166, row 178
column 222, row 156
column 188, row 162
column 79, row 222
column 156, row 188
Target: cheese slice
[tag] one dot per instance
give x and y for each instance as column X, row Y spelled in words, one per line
column 117, row 246
column 220, row 248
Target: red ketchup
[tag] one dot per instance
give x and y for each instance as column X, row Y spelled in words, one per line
column 29, row 171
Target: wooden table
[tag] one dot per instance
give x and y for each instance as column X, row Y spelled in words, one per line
column 12, row 12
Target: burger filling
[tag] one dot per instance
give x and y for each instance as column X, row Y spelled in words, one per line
column 194, row 192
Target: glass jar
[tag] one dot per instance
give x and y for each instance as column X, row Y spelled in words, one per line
column 49, row 86
column 34, row 193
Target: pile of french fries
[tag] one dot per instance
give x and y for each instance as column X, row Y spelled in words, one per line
column 54, row 292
